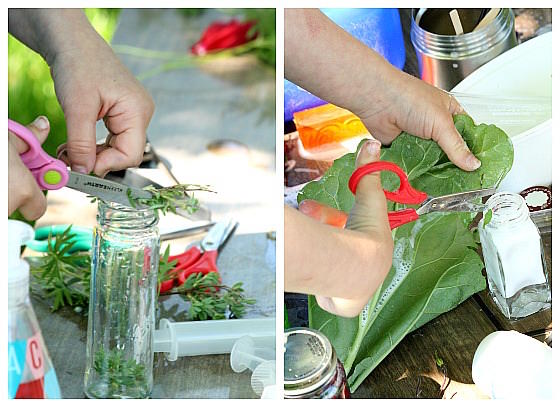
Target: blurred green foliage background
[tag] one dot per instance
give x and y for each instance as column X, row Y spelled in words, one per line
column 30, row 86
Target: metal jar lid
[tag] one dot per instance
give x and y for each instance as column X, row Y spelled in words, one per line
column 309, row 361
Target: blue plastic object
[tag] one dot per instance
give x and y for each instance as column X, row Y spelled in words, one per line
column 378, row 28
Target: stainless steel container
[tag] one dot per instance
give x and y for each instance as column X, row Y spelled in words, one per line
column 444, row 59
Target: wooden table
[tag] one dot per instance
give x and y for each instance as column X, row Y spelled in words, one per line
column 197, row 108
column 409, row 371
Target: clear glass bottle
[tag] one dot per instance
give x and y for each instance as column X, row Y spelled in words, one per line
column 513, row 256
column 123, row 294
column 311, row 368
column 30, row 371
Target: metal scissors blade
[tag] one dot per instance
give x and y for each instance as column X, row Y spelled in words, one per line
column 105, row 189
column 459, row 202
column 218, row 235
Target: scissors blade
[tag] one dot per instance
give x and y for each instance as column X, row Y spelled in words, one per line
column 104, row 189
column 218, row 235
column 459, row 202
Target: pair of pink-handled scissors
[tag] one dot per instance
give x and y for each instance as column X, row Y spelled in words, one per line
column 406, row 194
column 51, row 173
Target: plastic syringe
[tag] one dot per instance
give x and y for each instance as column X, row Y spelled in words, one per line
column 193, row 338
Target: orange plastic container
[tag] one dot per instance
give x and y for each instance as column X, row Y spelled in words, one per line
column 323, row 130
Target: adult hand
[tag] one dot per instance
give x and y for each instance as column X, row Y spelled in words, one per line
column 369, row 218
column 386, row 99
column 23, row 191
column 92, row 84
column 404, row 103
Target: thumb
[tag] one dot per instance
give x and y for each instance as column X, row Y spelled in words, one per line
column 81, row 146
column 451, row 142
column 369, row 213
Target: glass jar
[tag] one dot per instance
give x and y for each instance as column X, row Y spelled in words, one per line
column 513, row 256
column 311, row 368
column 123, row 294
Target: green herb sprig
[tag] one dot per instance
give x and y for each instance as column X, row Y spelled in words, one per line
column 63, row 276
column 167, row 199
column 118, row 372
column 212, row 300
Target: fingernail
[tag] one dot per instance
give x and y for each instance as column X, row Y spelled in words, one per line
column 373, row 146
column 473, row 162
column 41, row 122
column 79, row 168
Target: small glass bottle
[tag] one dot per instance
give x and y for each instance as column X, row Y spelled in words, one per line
column 30, row 371
column 513, row 256
column 121, row 320
column 311, row 368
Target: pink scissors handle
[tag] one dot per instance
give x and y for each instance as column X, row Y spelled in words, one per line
column 49, row 172
column 406, row 194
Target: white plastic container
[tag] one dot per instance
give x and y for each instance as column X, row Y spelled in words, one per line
column 522, row 72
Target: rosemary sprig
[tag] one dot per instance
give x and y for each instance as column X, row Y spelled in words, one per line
column 212, row 300
column 63, row 276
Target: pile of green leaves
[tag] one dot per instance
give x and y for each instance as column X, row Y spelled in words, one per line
column 435, row 265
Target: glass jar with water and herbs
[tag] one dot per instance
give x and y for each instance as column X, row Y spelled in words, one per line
column 121, row 320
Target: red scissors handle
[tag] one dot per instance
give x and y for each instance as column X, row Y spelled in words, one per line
column 49, row 172
column 406, row 194
column 205, row 264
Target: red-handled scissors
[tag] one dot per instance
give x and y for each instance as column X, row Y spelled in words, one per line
column 406, row 194
column 200, row 258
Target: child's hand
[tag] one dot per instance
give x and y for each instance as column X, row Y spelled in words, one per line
column 23, row 191
column 368, row 225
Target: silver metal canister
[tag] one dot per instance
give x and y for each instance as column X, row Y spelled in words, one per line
column 444, row 59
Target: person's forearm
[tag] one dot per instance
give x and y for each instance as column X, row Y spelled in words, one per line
column 323, row 260
column 327, row 61
column 51, row 31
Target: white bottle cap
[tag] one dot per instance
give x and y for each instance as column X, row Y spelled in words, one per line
column 18, row 270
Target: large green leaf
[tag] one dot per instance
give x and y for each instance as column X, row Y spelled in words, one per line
column 435, row 266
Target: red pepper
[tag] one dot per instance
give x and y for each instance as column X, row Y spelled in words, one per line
column 220, row 36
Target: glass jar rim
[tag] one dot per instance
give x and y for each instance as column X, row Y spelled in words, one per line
column 507, row 207
column 125, row 217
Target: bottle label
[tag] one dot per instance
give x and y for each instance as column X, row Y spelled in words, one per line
column 26, row 362
column 16, row 365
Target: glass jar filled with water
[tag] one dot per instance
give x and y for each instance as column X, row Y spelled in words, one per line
column 514, row 258
column 123, row 294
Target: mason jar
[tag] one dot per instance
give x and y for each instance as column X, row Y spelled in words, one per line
column 311, row 368
column 444, row 59
column 514, row 257
column 123, row 294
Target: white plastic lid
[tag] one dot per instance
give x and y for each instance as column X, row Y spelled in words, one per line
column 18, row 270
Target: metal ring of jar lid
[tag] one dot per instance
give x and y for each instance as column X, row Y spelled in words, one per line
column 537, row 198
column 309, row 361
